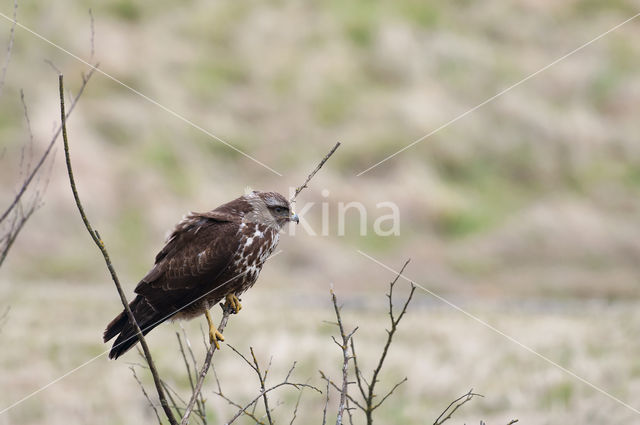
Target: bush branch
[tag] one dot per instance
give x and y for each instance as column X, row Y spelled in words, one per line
column 101, row 246
column 313, row 173
column 44, row 156
column 226, row 311
column 455, row 405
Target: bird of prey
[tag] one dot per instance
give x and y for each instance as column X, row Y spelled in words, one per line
column 208, row 256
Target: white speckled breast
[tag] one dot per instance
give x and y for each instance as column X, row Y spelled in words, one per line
column 257, row 242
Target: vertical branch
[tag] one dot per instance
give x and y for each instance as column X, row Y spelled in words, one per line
column 226, row 311
column 199, row 402
column 344, row 346
column 98, row 241
column 326, row 403
column 370, row 407
column 93, row 35
column 262, row 379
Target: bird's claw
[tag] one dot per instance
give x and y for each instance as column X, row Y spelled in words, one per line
column 214, row 337
column 214, row 334
column 233, row 302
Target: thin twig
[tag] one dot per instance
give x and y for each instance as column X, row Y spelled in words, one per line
column 370, row 407
column 53, row 66
column 359, row 377
column 313, row 173
column 344, row 346
column 228, row 400
column 170, row 396
column 337, row 388
column 349, row 409
column 236, row 405
column 226, row 311
column 455, row 405
column 133, row 370
column 35, row 170
column 4, row 317
column 101, row 246
column 199, row 401
column 12, row 36
column 326, row 403
column 93, row 35
column 186, row 362
column 390, row 392
column 295, row 409
column 14, row 230
column 262, row 384
column 296, row 385
column 27, row 120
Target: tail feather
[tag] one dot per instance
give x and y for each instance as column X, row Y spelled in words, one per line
column 147, row 319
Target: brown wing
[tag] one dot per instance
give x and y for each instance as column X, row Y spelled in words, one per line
column 190, row 264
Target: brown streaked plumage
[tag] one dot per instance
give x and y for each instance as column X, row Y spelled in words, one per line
column 207, row 257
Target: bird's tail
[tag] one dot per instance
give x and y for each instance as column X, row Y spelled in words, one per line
column 147, row 319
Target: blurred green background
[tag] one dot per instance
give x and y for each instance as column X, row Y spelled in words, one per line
column 524, row 212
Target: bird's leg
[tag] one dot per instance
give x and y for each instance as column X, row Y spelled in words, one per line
column 233, row 302
column 214, row 335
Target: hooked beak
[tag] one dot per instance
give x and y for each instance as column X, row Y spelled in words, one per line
column 294, row 217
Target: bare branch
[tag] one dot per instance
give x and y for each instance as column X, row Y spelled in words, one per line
column 455, row 405
column 53, row 66
column 170, row 395
column 370, row 407
column 344, row 346
column 349, row 409
column 12, row 36
column 234, row 404
column 226, row 311
column 262, row 379
column 93, row 35
column 199, row 401
column 295, row 409
column 133, row 370
column 313, row 173
column 359, row 377
column 28, row 122
column 20, row 219
column 337, row 388
column 235, row 350
column 4, row 317
column 101, row 246
column 44, row 156
column 296, row 385
column 390, row 392
column 367, row 389
column 326, row 403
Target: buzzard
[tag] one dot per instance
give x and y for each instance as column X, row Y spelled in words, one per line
column 208, row 256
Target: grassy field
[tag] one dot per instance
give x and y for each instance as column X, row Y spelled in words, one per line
column 56, row 328
column 524, row 212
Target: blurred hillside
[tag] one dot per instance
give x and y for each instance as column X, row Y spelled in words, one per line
column 534, row 196
column 535, row 192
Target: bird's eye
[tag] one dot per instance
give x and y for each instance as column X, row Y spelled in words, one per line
column 279, row 210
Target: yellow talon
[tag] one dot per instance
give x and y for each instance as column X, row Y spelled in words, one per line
column 214, row 335
column 233, row 302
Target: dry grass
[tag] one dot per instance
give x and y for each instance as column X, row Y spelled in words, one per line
column 55, row 327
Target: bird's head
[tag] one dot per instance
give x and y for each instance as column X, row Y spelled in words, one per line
column 270, row 208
